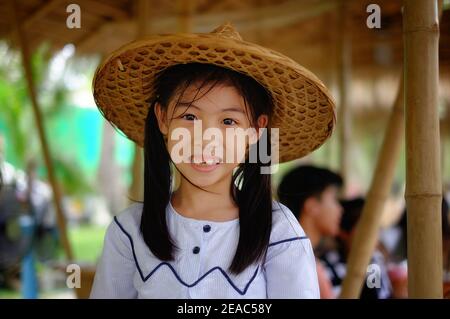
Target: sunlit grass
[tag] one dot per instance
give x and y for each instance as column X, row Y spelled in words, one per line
column 87, row 242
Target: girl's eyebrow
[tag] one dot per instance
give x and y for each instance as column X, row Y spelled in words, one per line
column 233, row 109
column 229, row 109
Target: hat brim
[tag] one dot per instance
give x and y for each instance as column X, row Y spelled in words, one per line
column 304, row 111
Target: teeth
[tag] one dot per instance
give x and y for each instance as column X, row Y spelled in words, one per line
column 207, row 162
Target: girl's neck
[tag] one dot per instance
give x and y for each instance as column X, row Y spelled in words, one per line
column 193, row 202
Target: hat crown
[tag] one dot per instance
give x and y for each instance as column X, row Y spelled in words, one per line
column 227, row 30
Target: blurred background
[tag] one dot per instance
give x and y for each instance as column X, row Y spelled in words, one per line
column 53, row 137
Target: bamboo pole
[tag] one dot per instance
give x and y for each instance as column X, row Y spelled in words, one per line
column 185, row 24
column 41, row 132
column 136, row 190
column 366, row 233
column 185, row 11
column 344, row 65
column 143, row 7
column 423, row 175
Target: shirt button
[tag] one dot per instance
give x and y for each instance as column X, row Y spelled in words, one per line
column 196, row 250
column 206, row 228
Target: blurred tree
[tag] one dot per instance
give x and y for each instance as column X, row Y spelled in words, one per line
column 17, row 121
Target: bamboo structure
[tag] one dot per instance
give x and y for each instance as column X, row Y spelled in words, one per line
column 137, row 173
column 185, row 24
column 275, row 15
column 185, row 9
column 366, row 233
column 423, row 175
column 22, row 41
column 344, row 65
column 136, row 190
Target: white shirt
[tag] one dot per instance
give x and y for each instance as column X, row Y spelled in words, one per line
column 128, row 269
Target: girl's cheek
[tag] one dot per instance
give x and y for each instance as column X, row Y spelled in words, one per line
column 234, row 154
column 235, row 147
column 179, row 145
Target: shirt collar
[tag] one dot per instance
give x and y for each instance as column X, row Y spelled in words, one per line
column 199, row 222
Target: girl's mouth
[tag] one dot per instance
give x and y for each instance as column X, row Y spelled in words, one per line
column 205, row 165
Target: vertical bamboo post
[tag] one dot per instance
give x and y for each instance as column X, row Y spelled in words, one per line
column 423, row 176
column 136, row 190
column 443, row 132
column 185, row 12
column 136, row 187
column 344, row 65
column 185, row 9
column 366, row 233
column 143, row 7
column 41, row 132
column 444, row 129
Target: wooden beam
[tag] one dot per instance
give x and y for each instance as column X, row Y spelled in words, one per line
column 41, row 12
column 88, row 35
column 344, row 54
column 366, row 233
column 274, row 16
column 105, row 10
column 37, row 14
column 423, row 172
column 185, row 12
column 143, row 18
column 26, row 61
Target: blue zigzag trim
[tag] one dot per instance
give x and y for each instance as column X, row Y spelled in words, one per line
column 145, row 278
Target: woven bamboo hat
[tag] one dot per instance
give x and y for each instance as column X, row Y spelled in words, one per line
column 304, row 110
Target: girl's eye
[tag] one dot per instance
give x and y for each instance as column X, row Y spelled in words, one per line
column 229, row 122
column 189, row 117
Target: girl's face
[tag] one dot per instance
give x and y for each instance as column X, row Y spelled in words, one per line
column 197, row 132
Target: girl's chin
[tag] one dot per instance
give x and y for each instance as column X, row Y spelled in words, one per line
column 205, row 176
column 202, row 168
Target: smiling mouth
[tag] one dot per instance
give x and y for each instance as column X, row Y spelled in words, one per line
column 205, row 164
column 205, row 161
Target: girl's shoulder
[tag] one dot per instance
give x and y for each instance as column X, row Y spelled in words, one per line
column 284, row 224
column 129, row 219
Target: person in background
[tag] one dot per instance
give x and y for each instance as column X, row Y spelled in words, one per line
column 400, row 253
column 336, row 261
column 311, row 193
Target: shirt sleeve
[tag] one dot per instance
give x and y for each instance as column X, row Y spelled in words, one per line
column 290, row 270
column 116, row 267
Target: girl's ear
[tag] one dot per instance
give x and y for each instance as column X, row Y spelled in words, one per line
column 161, row 116
column 262, row 122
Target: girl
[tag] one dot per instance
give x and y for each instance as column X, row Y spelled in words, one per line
column 219, row 234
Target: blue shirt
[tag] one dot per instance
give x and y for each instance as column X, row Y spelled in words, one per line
column 128, row 269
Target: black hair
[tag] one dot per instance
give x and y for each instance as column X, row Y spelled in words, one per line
column 304, row 182
column 254, row 195
column 352, row 209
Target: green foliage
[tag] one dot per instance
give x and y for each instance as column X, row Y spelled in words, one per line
column 17, row 121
